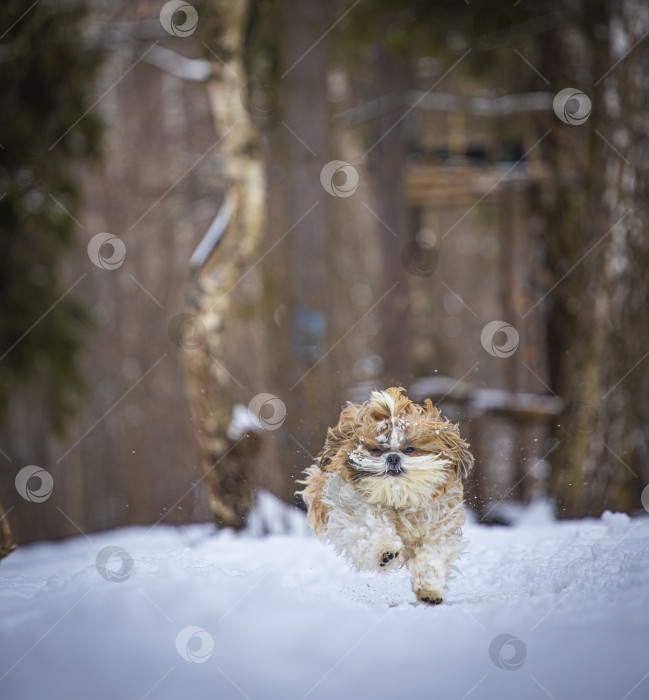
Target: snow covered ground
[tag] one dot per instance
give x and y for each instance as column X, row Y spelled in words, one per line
column 541, row 610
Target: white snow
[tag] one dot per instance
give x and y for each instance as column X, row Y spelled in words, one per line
column 283, row 617
column 242, row 421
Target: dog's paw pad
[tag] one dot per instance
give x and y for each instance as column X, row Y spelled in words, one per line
column 430, row 600
column 387, row 557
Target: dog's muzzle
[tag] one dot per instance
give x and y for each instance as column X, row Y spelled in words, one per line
column 393, row 463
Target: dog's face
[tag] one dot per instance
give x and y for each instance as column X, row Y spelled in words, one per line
column 396, row 452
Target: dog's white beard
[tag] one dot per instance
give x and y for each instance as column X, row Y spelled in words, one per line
column 422, row 477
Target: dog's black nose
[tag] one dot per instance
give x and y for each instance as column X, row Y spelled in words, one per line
column 394, row 464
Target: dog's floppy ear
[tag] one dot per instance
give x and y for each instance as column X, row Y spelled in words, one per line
column 462, row 457
column 338, row 436
column 454, row 446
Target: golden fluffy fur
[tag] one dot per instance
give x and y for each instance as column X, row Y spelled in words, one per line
column 387, row 489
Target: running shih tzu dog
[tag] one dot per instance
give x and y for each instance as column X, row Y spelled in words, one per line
column 386, row 490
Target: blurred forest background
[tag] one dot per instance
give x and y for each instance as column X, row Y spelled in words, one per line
column 235, row 208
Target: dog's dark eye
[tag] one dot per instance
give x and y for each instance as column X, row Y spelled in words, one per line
column 377, row 451
column 408, row 450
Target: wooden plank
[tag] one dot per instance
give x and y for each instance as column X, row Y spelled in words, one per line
column 444, row 184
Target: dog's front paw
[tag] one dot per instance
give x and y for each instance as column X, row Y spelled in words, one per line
column 387, row 558
column 430, row 597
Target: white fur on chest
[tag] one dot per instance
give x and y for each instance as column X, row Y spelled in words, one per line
column 360, row 529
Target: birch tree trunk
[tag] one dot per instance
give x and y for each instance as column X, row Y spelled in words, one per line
column 227, row 460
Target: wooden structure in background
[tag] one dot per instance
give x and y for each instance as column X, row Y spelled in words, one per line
column 441, row 184
column 465, row 168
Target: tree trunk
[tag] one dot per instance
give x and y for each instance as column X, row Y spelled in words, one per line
column 300, row 275
column 227, row 459
column 392, row 75
column 598, row 327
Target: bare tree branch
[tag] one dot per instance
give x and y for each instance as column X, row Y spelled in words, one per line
column 196, row 70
